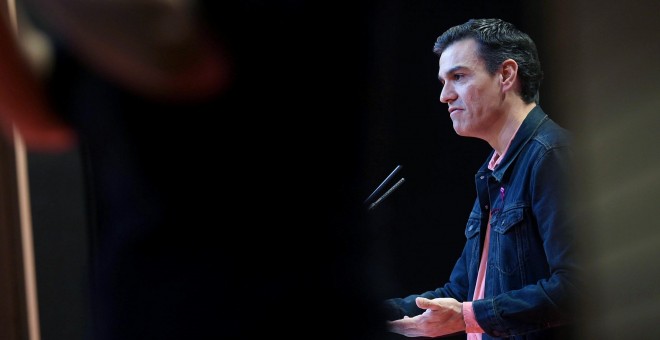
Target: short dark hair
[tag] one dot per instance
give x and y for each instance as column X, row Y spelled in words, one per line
column 498, row 41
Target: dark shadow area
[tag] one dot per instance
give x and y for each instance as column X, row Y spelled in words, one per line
column 267, row 183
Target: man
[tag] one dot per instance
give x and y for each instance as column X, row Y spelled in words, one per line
column 516, row 276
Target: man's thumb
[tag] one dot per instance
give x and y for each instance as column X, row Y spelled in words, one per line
column 423, row 303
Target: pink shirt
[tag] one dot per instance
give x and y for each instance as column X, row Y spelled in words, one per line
column 472, row 328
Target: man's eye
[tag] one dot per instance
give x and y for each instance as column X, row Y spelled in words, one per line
column 457, row 76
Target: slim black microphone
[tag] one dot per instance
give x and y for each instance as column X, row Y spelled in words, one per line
column 379, row 189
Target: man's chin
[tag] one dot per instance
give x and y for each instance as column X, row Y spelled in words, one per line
column 459, row 130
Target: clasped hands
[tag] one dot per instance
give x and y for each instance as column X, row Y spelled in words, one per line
column 442, row 316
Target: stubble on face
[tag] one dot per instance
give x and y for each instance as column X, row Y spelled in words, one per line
column 472, row 94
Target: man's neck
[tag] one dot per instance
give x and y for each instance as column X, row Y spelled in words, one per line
column 512, row 121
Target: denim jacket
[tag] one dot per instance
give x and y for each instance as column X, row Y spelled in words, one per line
column 531, row 277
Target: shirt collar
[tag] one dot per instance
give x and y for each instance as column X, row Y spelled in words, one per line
column 525, row 132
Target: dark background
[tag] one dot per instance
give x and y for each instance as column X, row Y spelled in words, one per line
column 416, row 234
column 422, row 223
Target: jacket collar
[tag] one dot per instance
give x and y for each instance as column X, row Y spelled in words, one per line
column 527, row 129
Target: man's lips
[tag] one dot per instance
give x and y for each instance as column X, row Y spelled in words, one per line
column 453, row 109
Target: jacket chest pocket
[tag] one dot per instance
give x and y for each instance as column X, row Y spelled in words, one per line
column 508, row 244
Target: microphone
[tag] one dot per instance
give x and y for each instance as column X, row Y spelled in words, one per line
column 379, row 189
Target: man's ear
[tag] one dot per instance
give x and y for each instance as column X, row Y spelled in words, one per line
column 508, row 75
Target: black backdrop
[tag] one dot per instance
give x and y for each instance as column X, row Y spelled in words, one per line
column 415, row 234
column 422, row 223
column 420, row 226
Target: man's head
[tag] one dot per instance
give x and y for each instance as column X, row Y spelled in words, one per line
column 498, row 41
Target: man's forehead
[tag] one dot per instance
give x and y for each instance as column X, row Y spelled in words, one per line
column 460, row 54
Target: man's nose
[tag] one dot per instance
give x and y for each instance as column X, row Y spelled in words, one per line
column 447, row 94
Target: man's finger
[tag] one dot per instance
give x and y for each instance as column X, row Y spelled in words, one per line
column 405, row 326
column 425, row 303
